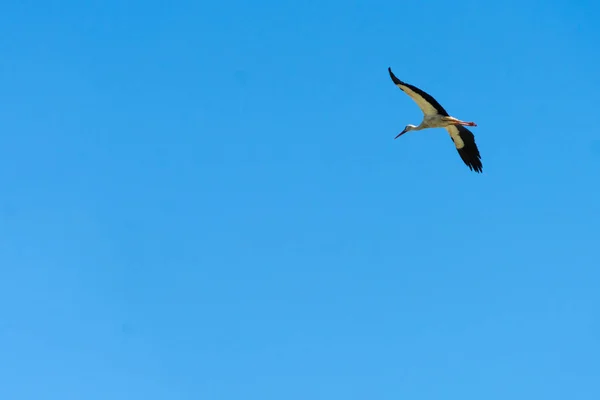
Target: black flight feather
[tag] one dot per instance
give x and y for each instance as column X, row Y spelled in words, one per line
column 469, row 153
column 428, row 98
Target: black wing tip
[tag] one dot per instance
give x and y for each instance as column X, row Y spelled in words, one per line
column 394, row 79
column 470, row 156
column 475, row 166
column 427, row 97
column 470, row 152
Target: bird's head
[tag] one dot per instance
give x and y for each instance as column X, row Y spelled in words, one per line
column 407, row 128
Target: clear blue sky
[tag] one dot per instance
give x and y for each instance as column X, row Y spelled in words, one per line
column 204, row 200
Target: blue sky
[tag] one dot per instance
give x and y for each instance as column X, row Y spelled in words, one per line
column 204, row 200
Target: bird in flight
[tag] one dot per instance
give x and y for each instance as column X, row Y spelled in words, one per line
column 434, row 116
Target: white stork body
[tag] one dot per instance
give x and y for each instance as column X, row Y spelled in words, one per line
column 434, row 116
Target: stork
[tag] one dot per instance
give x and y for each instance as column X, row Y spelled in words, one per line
column 434, row 116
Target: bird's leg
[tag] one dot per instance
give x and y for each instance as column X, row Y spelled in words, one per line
column 456, row 121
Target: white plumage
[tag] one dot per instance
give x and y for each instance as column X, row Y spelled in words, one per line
column 434, row 116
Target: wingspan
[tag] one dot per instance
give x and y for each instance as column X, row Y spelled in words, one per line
column 464, row 140
column 426, row 102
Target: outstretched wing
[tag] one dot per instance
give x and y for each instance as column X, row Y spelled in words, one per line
column 426, row 103
column 464, row 140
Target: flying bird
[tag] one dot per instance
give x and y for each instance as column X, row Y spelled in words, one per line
column 434, row 116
